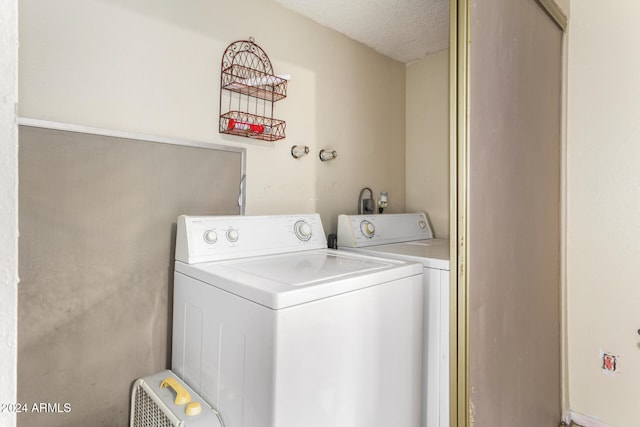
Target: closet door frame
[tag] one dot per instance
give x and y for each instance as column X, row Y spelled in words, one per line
column 459, row 90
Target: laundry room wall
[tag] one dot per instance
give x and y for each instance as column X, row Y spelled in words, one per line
column 154, row 67
column 427, row 144
column 603, row 185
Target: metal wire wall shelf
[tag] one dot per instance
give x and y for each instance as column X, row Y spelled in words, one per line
column 248, row 90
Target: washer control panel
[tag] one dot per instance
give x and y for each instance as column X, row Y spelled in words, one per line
column 214, row 238
column 367, row 230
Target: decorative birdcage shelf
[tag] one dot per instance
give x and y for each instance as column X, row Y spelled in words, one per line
column 248, row 90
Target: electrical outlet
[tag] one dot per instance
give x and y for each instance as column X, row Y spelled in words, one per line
column 368, row 205
column 609, row 363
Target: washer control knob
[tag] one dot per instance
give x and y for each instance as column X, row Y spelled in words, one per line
column 210, row 237
column 422, row 224
column 232, row 235
column 302, row 230
column 367, row 229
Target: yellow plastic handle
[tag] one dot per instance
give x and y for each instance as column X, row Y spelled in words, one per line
column 182, row 395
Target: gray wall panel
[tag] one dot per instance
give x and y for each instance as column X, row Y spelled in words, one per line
column 97, row 231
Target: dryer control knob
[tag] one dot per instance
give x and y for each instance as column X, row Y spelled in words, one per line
column 232, row 235
column 210, row 237
column 367, row 229
column 302, row 230
column 422, row 224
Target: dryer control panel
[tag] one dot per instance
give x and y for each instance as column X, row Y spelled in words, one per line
column 356, row 231
column 215, row 238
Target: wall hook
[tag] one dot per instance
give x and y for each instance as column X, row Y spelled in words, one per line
column 298, row 151
column 326, row 155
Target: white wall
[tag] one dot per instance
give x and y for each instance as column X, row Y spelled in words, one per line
column 8, row 205
column 603, row 208
column 427, row 145
column 153, row 67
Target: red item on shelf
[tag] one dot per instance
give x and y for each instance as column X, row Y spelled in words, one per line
column 234, row 124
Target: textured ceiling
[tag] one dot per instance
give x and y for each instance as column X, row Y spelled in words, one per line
column 404, row 30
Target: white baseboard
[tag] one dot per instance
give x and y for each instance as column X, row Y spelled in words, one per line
column 583, row 420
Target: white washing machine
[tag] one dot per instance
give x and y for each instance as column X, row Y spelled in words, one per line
column 409, row 237
column 275, row 330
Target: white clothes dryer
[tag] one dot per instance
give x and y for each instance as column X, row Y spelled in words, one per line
column 409, row 237
column 275, row 330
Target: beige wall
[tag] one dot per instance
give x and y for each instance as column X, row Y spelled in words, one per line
column 154, row 68
column 8, row 206
column 603, row 205
column 427, row 145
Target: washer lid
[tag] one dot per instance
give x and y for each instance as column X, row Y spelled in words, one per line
column 279, row 281
column 432, row 253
